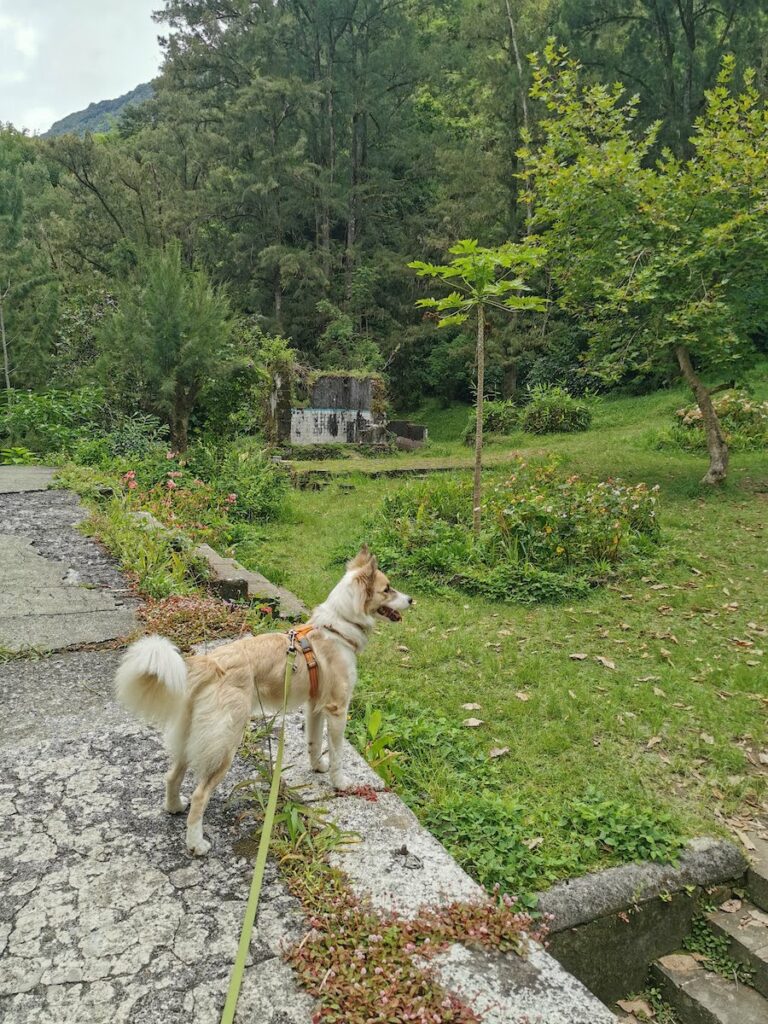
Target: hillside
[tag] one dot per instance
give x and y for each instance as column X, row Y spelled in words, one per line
column 99, row 117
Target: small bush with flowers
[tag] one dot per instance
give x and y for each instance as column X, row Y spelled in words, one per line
column 545, row 536
column 744, row 421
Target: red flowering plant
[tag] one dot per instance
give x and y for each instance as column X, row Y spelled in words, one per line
column 181, row 501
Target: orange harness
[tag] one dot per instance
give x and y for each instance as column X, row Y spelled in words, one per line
column 299, row 636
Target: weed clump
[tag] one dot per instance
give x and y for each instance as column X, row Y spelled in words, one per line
column 545, row 537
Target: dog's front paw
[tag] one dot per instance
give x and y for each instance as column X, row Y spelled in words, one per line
column 340, row 780
column 320, row 764
column 199, row 848
column 176, row 806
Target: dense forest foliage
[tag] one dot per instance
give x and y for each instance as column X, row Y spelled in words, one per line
column 297, row 154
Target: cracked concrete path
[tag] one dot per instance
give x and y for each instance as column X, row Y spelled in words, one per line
column 57, row 588
column 104, row 916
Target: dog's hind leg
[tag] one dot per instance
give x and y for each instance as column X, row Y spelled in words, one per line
column 314, row 720
column 196, row 842
column 173, row 780
column 336, row 717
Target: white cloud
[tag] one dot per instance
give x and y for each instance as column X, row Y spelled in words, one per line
column 38, row 119
column 18, row 47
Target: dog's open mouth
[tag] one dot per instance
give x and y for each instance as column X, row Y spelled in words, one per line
column 390, row 613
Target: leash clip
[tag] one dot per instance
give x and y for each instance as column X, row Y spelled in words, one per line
column 292, row 641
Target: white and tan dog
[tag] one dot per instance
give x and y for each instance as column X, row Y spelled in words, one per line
column 204, row 702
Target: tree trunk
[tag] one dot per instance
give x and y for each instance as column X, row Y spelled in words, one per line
column 6, row 367
column 509, row 382
column 524, row 99
column 476, row 493
column 180, row 421
column 716, row 443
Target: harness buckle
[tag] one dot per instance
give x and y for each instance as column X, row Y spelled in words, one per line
column 291, row 641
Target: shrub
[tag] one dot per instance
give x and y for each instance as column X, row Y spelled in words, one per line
column 498, row 418
column 545, row 537
column 744, row 421
column 134, row 437
column 17, row 456
column 54, row 420
column 552, row 410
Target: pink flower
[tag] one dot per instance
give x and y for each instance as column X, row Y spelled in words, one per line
column 231, row 499
column 171, row 485
column 176, row 474
column 170, row 455
column 132, row 485
column 130, row 475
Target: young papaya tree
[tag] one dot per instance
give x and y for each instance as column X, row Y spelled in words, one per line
column 482, row 279
column 661, row 259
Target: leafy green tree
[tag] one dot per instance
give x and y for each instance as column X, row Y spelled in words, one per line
column 668, row 51
column 483, row 279
column 660, row 261
column 28, row 288
column 168, row 337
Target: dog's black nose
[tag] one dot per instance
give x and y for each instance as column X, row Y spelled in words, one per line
column 410, row 600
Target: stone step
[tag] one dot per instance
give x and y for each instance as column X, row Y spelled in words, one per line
column 699, row 996
column 757, row 874
column 747, row 933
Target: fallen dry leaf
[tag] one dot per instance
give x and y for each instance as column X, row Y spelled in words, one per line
column 535, row 843
column 658, row 692
column 709, row 740
column 572, row 695
column 679, row 962
column 648, row 679
column 652, row 742
column 745, row 840
column 498, row 752
column 522, row 695
column 472, row 723
column 578, row 656
column 471, row 707
column 605, row 662
column 637, row 1006
column 763, row 757
column 730, row 906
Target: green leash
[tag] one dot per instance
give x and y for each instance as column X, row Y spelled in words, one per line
column 236, row 978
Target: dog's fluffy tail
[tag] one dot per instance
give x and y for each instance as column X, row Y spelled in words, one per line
column 152, row 680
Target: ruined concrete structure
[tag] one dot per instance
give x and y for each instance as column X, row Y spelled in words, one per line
column 343, row 409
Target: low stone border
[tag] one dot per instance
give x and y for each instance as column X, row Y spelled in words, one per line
column 609, row 926
column 231, row 580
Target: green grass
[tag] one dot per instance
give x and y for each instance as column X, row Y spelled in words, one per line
column 675, row 729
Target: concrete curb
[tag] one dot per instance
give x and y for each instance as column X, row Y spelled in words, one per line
column 611, row 925
column 705, row 862
column 230, row 579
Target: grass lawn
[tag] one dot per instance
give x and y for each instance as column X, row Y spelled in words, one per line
column 603, row 763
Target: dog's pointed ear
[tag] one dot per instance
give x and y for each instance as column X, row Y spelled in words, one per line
column 362, row 558
column 367, row 575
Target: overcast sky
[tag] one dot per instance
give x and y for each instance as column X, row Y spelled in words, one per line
column 57, row 56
